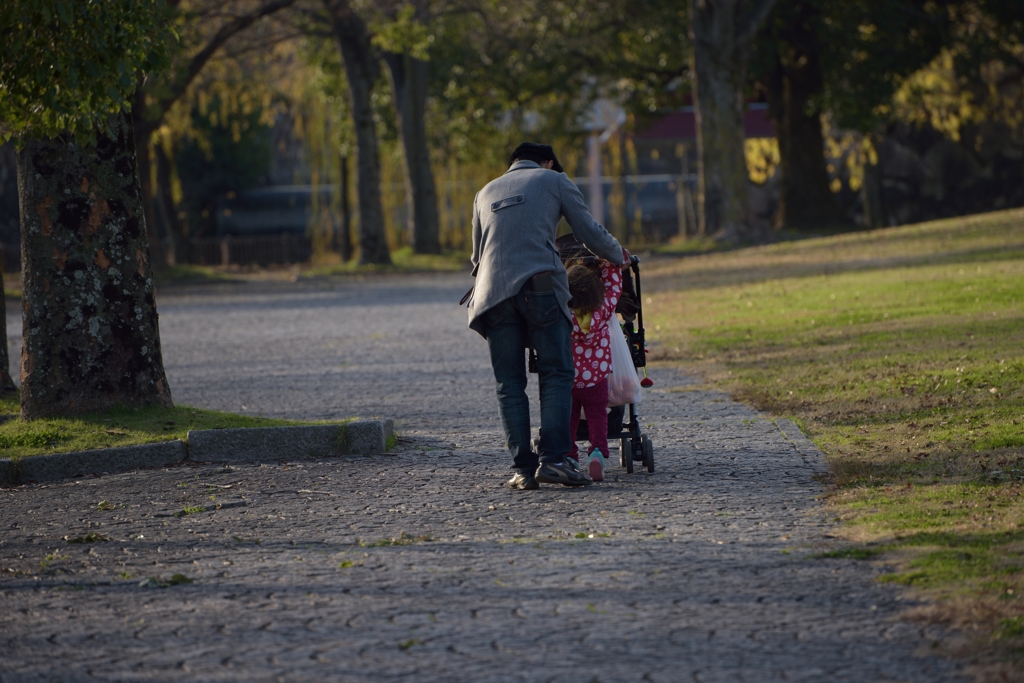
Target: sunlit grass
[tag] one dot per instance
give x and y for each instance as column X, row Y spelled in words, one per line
column 189, row 274
column 119, row 427
column 402, row 261
column 900, row 353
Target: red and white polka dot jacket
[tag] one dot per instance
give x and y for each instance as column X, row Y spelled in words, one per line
column 591, row 351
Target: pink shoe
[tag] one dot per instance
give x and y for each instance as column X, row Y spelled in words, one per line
column 596, row 466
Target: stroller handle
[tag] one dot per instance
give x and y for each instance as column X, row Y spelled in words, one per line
column 634, row 261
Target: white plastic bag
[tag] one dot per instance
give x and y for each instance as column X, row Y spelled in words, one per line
column 623, row 383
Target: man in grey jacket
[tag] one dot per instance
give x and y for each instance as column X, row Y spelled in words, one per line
column 521, row 301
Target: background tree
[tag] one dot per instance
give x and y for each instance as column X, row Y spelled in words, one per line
column 721, row 32
column 976, row 77
column 405, row 41
column 207, row 28
column 91, row 336
column 846, row 57
column 790, row 71
column 362, row 69
column 501, row 71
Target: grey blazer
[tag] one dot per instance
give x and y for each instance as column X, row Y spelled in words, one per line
column 515, row 219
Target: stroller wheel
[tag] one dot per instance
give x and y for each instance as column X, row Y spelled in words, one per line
column 648, row 448
column 625, row 452
column 630, row 455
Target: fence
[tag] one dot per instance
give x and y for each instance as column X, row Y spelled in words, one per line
column 651, row 208
column 268, row 250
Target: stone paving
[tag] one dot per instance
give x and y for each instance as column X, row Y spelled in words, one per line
column 420, row 566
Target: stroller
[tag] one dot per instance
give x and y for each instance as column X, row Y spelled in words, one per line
column 634, row 445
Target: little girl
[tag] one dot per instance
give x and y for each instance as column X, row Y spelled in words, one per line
column 593, row 305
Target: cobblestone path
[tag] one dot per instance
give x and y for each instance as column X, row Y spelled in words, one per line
column 419, row 565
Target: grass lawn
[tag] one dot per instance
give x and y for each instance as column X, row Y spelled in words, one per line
column 402, row 261
column 901, row 354
column 121, row 427
column 186, row 274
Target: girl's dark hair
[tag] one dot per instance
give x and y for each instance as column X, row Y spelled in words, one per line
column 585, row 288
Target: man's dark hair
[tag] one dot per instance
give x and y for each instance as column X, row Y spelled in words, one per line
column 535, row 152
column 529, row 156
column 586, row 288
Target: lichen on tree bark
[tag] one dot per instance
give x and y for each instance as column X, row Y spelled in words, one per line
column 91, row 337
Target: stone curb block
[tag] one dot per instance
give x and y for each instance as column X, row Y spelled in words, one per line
column 209, row 445
column 68, row 465
column 369, row 436
column 792, row 432
column 275, row 443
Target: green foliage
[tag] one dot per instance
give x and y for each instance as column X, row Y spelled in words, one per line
column 227, row 154
column 869, row 51
column 69, row 64
column 532, row 69
column 976, row 81
column 404, row 34
column 864, row 49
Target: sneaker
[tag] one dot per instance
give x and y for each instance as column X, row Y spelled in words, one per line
column 561, row 473
column 523, row 481
column 574, row 463
column 596, row 465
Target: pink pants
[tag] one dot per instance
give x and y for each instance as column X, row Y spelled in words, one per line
column 594, row 401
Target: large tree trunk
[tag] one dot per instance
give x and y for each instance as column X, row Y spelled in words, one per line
column 91, row 338
column 720, row 35
column 871, row 192
column 361, row 70
column 807, row 202
column 408, row 77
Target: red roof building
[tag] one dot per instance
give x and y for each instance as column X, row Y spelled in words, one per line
column 682, row 124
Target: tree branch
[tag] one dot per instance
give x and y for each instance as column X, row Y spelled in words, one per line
column 200, row 59
column 752, row 22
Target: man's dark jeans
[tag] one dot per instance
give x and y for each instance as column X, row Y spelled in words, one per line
column 532, row 319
